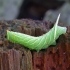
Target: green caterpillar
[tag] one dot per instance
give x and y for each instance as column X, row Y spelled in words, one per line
column 37, row 43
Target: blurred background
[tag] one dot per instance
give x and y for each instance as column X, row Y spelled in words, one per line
column 44, row 10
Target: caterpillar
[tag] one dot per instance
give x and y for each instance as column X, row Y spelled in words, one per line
column 40, row 42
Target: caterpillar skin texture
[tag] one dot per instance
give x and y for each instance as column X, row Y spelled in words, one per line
column 40, row 42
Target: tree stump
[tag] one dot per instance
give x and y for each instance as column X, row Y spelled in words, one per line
column 17, row 57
